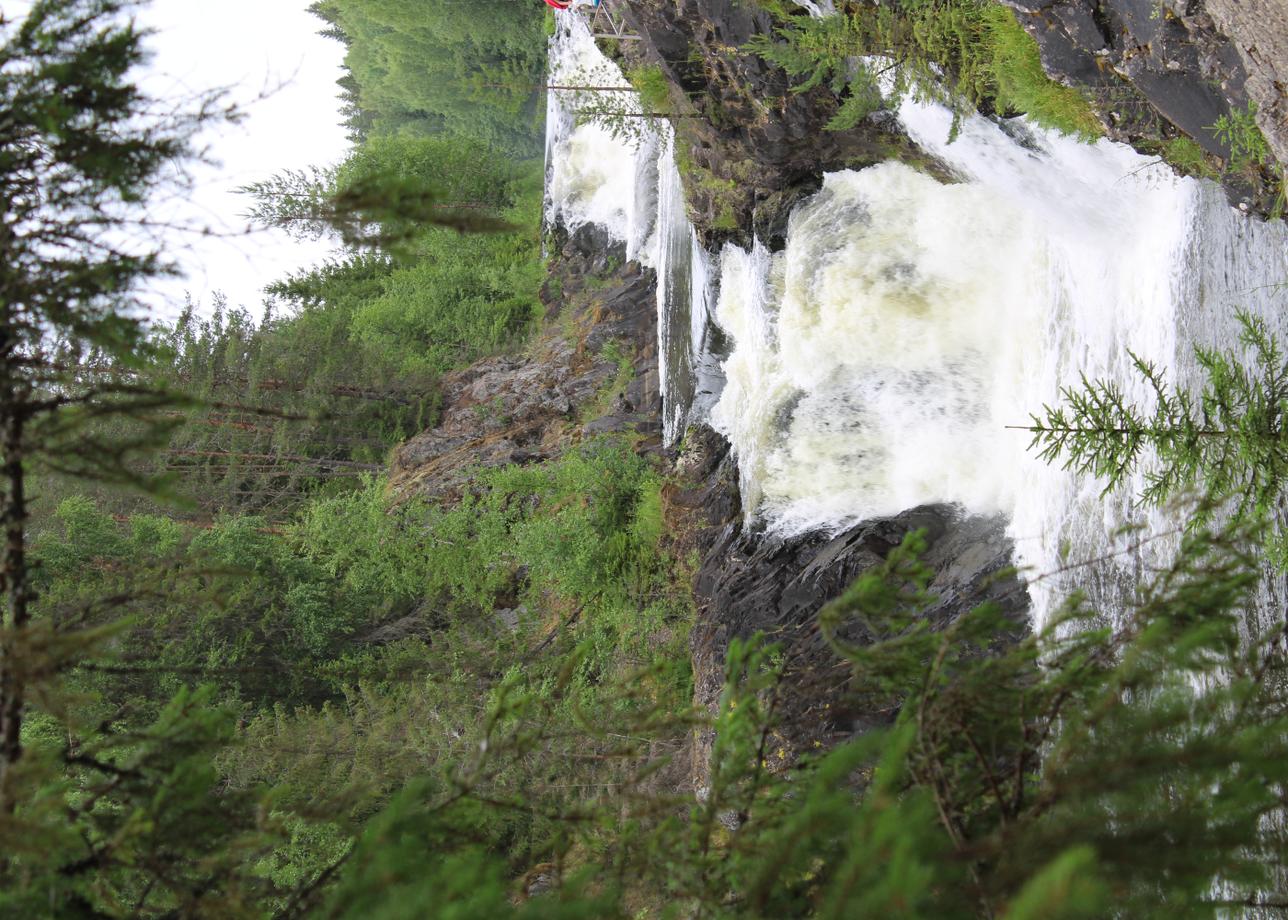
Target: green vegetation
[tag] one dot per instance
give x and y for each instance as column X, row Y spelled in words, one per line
column 967, row 53
column 615, row 389
column 441, row 68
column 1250, row 158
column 293, row 694
column 1227, row 440
column 328, row 634
column 957, row 818
column 87, row 796
column 344, row 364
column 1188, row 158
column 444, row 298
column 653, row 87
column 1248, row 147
column 726, row 196
column 1023, row 86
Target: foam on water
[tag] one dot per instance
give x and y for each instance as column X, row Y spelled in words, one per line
column 591, row 175
column 630, row 186
column 879, row 358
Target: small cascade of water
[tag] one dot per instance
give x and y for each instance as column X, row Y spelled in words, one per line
column 631, row 187
column 819, row 9
column 683, row 296
column 879, row 357
column 592, row 176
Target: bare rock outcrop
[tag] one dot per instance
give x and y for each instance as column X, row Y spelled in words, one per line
column 592, row 370
column 1159, row 68
column 1258, row 30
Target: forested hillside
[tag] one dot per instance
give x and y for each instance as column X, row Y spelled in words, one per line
column 449, row 67
column 389, row 601
column 198, row 550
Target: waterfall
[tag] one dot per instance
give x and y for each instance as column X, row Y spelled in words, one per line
column 592, row 175
column 819, row 10
column 683, row 295
column 629, row 185
column 879, row 358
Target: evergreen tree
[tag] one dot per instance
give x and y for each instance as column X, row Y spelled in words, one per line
column 444, row 67
column 1079, row 772
column 78, row 151
column 391, row 188
column 98, row 814
column 1229, row 439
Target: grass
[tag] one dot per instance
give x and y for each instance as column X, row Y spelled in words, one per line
column 1020, row 83
column 606, row 398
column 1188, row 158
column 727, row 219
column 653, row 87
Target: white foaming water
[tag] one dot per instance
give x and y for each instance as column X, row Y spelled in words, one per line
column 590, row 174
column 819, row 9
column 631, row 188
column 879, row 358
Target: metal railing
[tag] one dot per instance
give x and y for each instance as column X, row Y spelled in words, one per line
column 603, row 24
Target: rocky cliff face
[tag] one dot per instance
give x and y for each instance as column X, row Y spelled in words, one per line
column 750, row 147
column 593, row 369
column 1258, row 30
column 1158, row 69
column 1143, row 61
column 1155, row 69
column 752, row 583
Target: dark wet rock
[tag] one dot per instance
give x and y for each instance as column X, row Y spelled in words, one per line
column 1141, row 59
column 751, row 147
column 644, row 392
column 631, row 422
column 751, row 583
column 1159, row 68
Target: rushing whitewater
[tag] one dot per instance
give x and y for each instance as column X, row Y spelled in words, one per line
column 628, row 185
column 879, row 359
column 592, row 176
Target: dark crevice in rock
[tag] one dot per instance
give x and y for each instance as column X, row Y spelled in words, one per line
column 750, row 582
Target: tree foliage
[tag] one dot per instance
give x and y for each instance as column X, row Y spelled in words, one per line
column 1076, row 772
column 1228, row 439
column 444, row 68
column 967, row 54
column 98, row 814
column 348, row 705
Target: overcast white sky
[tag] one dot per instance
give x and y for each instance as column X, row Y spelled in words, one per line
column 249, row 46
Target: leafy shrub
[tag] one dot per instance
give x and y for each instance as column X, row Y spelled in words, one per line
column 964, row 53
column 653, row 87
column 1249, row 149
